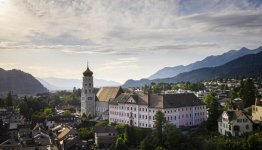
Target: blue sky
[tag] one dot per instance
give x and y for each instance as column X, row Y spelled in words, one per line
column 121, row 39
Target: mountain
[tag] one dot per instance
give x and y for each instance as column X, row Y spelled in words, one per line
column 54, row 84
column 248, row 65
column 19, row 82
column 210, row 61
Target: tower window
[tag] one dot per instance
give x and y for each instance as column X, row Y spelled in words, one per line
column 85, row 91
column 90, row 84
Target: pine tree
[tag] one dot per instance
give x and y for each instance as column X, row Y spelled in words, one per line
column 9, row 100
column 247, row 92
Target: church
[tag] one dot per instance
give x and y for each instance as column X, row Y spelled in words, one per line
column 96, row 104
column 139, row 108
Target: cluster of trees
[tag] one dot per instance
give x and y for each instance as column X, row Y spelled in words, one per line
column 247, row 91
column 65, row 97
column 6, row 102
column 206, row 139
column 34, row 107
column 159, row 87
column 163, row 136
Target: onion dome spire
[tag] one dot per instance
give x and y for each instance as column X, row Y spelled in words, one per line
column 88, row 72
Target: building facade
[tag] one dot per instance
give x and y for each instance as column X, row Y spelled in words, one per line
column 139, row 109
column 234, row 123
column 257, row 111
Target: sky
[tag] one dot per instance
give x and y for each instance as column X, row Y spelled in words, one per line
column 121, row 39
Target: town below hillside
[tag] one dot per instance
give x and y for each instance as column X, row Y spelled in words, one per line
column 221, row 113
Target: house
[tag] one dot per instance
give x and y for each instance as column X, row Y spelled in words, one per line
column 66, row 137
column 139, row 109
column 234, row 123
column 9, row 144
column 105, row 136
column 68, row 120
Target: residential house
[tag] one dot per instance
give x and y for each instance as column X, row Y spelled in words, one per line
column 66, row 137
column 234, row 123
column 105, row 136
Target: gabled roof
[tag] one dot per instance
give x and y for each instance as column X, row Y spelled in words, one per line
column 233, row 115
column 105, row 94
column 105, row 129
column 63, row 134
column 182, row 100
column 160, row 100
column 66, row 131
column 140, row 99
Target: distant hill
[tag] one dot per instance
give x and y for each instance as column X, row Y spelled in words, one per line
column 210, row 61
column 19, row 82
column 54, row 84
column 249, row 65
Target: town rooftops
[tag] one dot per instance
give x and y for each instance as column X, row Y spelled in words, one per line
column 105, row 94
column 105, row 129
column 159, row 100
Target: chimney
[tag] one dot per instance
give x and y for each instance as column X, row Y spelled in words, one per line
column 149, row 97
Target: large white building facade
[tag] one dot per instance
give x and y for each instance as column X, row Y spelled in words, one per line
column 139, row 109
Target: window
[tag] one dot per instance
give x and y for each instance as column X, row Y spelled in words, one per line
column 247, row 127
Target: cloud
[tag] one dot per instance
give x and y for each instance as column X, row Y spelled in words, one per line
column 109, row 31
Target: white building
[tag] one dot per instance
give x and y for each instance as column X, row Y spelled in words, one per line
column 234, row 123
column 139, row 109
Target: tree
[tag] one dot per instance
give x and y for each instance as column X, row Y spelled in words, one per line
column 120, row 144
column 9, row 100
column 233, row 95
column 67, row 113
column 214, row 113
column 247, row 92
column 47, row 112
column 149, row 143
column 160, row 124
column 24, row 110
column 2, row 103
column 209, row 99
column 173, row 137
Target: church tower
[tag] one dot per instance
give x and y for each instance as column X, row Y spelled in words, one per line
column 87, row 94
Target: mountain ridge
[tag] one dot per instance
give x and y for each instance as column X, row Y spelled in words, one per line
column 247, row 65
column 55, row 84
column 19, row 82
column 210, row 61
